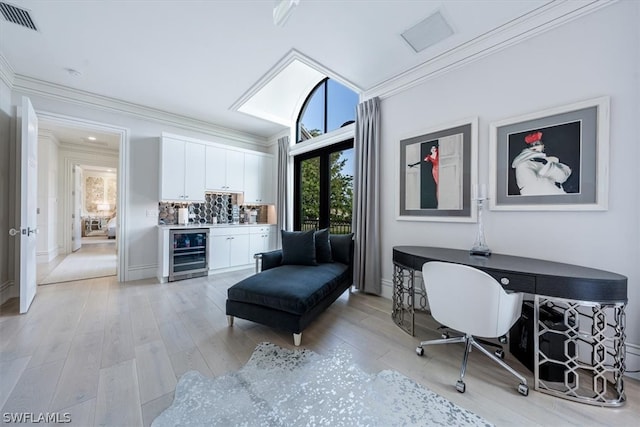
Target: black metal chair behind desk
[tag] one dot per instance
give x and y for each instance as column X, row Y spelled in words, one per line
column 590, row 302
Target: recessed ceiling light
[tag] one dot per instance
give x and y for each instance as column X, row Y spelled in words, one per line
column 91, row 138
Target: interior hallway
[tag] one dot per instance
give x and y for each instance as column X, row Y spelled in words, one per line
column 96, row 258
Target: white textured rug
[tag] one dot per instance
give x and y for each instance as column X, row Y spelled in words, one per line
column 281, row 387
column 87, row 263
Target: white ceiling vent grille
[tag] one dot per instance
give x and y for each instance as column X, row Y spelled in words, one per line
column 428, row 32
column 17, row 16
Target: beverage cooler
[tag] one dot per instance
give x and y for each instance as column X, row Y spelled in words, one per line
column 188, row 253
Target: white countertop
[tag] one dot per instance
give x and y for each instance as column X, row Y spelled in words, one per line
column 208, row 225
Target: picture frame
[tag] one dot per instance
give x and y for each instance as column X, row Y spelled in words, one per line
column 439, row 190
column 552, row 160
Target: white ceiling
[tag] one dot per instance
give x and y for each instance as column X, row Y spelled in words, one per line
column 199, row 58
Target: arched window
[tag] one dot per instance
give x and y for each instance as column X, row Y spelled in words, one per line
column 328, row 107
column 323, row 195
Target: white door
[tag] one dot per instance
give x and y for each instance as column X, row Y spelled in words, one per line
column 76, row 216
column 26, row 212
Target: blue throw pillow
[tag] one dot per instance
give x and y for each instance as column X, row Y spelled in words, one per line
column 341, row 247
column 299, row 247
column 323, row 247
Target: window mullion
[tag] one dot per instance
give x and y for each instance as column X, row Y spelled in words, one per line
column 324, row 190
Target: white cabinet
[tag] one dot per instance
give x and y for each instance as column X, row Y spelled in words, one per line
column 229, row 247
column 225, row 169
column 163, row 255
column 182, row 170
column 261, row 239
column 258, row 179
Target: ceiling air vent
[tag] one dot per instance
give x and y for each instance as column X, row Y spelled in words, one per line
column 428, row 32
column 17, row 16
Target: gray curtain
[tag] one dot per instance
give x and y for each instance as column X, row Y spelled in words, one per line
column 282, row 207
column 366, row 204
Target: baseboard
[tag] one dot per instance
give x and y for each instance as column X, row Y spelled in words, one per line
column 229, row 269
column 6, row 291
column 46, row 256
column 387, row 289
column 139, row 272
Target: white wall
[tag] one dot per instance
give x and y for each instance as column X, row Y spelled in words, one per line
column 594, row 56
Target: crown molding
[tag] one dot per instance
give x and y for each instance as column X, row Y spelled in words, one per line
column 49, row 135
column 28, row 85
column 538, row 21
column 7, row 75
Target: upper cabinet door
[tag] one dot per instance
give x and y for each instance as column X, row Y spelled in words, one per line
column 182, row 170
column 267, row 184
column 172, row 169
column 235, row 170
column 216, row 174
column 258, row 179
column 252, row 179
column 225, row 169
column 194, row 175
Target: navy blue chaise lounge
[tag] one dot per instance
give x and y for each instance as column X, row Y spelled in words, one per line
column 289, row 293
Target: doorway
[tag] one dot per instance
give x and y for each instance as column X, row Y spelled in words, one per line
column 82, row 149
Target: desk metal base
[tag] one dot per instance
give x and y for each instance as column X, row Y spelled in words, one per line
column 593, row 358
column 593, row 333
column 404, row 298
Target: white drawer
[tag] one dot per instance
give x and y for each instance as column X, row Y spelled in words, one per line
column 262, row 229
column 229, row 231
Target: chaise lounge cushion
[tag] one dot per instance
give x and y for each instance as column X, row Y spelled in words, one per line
column 275, row 288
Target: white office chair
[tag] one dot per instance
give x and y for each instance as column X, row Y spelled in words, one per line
column 471, row 302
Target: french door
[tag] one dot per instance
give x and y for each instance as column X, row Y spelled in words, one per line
column 323, row 195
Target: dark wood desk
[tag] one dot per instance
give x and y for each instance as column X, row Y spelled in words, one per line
column 591, row 301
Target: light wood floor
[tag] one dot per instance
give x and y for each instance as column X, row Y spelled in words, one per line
column 90, row 245
column 111, row 354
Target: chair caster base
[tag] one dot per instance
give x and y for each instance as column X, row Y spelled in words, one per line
column 420, row 351
column 461, row 386
column 499, row 353
column 523, row 389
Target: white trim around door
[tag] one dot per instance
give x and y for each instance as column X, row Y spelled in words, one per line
column 123, row 178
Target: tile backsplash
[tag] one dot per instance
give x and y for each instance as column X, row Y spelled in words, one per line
column 215, row 205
